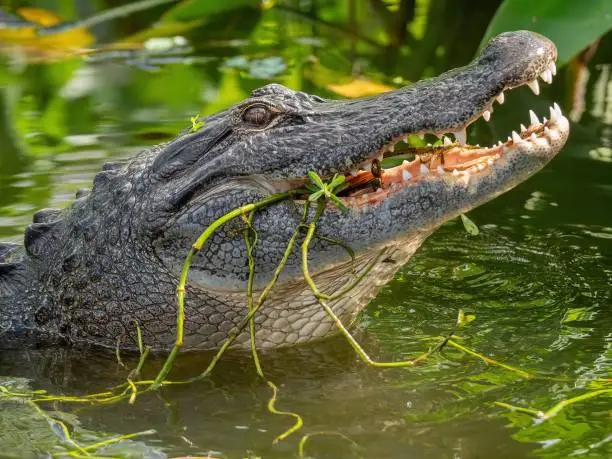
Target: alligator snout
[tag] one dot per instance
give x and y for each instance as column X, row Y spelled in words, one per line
column 520, row 58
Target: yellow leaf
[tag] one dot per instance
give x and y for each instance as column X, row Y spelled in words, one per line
column 39, row 16
column 359, row 88
column 52, row 45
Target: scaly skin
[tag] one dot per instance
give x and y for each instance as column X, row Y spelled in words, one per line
column 114, row 256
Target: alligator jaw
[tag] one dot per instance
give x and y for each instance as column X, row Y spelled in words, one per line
column 445, row 105
column 452, row 161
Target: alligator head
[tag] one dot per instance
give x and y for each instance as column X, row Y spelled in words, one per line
column 114, row 257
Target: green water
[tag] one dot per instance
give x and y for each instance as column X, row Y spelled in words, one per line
column 537, row 279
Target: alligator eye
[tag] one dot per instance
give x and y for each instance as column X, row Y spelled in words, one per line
column 257, row 115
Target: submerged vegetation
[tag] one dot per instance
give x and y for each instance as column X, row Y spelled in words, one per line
column 404, row 41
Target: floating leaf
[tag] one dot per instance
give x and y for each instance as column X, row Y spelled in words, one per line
column 469, row 225
column 463, row 319
column 319, row 189
column 337, row 181
column 315, row 196
column 39, row 16
column 314, row 177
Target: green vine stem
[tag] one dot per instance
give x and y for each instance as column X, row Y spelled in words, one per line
column 321, row 299
column 197, row 246
column 488, row 360
column 250, row 245
column 556, row 409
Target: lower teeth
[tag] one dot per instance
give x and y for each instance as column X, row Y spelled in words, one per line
column 539, row 134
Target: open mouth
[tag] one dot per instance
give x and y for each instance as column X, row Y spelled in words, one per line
column 397, row 165
column 371, row 182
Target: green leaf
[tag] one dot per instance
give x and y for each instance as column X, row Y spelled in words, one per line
column 196, row 125
column 337, row 181
column 469, row 225
column 195, row 9
column 571, row 24
column 314, row 177
column 338, row 203
column 315, row 196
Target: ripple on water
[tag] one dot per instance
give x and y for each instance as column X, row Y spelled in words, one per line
column 530, row 288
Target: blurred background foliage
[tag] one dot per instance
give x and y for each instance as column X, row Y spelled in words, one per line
column 85, row 66
column 107, row 74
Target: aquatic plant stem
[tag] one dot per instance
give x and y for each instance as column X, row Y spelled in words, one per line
column 110, row 441
column 305, row 246
column 488, row 360
column 135, row 373
column 56, row 424
column 262, row 298
column 322, row 300
column 272, row 409
column 250, row 245
column 197, row 246
column 520, row 409
column 556, row 409
column 250, row 248
column 570, row 401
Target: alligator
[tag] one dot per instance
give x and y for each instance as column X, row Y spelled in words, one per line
column 87, row 274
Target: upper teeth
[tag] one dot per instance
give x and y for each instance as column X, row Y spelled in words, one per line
column 461, row 136
column 535, row 87
column 546, row 75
